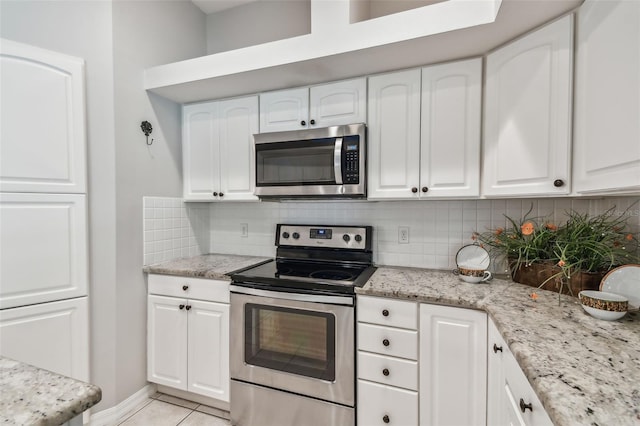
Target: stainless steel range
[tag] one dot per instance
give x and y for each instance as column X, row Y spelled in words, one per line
column 293, row 324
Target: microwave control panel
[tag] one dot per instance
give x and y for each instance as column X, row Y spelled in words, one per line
column 351, row 160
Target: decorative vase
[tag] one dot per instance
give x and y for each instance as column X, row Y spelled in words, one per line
column 537, row 273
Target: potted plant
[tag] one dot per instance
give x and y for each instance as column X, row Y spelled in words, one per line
column 567, row 257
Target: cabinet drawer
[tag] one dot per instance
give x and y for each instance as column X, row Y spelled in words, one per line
column 388, row 341
column 385, row 405
column 390, row 312
column 387, row 370
column 191, row 288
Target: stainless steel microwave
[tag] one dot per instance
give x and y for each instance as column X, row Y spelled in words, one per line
column 327, row 162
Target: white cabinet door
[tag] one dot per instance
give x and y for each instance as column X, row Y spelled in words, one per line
column 607, row 120
column 284, row 110
column 167, row 341
column 238, row 122
column 453, row 366
column 208, row 349
column 450, row 142
column 43, row 120
column 343, row 102
column 53, row 336
column 47, row 230
column 497, row 350
column 394, row 135
column 200, row 148
column 528, row 114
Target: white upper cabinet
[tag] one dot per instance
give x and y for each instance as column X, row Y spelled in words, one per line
column 394, row 134
column 450, row 141
column 527, row 132
column 43, row 121
column 217, row 147
column 607, row 117
column 342, row 102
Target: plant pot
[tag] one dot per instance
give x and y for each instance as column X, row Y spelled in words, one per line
column 537, row 273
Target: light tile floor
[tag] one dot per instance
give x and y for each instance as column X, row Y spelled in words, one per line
column 166, row 410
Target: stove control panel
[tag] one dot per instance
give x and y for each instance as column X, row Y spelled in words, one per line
column 349, row 237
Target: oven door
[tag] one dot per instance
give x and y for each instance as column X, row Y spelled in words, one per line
column 294, row 342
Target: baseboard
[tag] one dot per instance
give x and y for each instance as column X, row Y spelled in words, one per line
column 111, row 416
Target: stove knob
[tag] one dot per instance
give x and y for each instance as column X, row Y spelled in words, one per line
column 285, row 235
column 296, row 235
column 358, row 237
column 346, row 238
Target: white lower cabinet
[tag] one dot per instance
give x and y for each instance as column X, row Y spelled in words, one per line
column 53, row 336
column 187, row 338
column 510, row 399
column 453, row 366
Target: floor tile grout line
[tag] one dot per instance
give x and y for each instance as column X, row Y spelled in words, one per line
column 136, row 412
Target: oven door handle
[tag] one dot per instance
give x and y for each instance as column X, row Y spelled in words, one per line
column 299, row 297
column 337, row 161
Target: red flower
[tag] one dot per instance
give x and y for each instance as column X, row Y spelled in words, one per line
column 527, row 228
column 551, row 227
column 629, row 237
column 534, row 296
column 561, row 263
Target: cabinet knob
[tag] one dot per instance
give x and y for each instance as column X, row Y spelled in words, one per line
column 312, row 121
column 385, row 342
column 497, row 348
column 385, row 313
column 188, row 307
column 385, row 372
column 215, row 194
column 222, row 194
column 524, row 407
column 303, row 123
column 185, row 287
column 181, row 307
column 414, row 189
column 425, row 189
column 558, row 183
column 386, row 418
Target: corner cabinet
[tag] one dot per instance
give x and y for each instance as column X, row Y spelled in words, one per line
column 188, row 335
column 607, row 118
column 528, row 114
column 217, row 149
column 510, row 399
column 342, row 102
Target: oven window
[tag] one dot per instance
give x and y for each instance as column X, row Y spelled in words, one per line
column 295, row 164
column 292, row 340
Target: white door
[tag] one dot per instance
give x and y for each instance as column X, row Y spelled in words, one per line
column 167, row 341
column 343, row 102
column 528, row 114
column 394, row 135
column 284, row 110
column 450, row 142
column 49, row 231
column 200, row 151
column 53, row 336
column 238, row 122
column 607, row 121
column 43, row 120
column 209, row 349
column 453, row 366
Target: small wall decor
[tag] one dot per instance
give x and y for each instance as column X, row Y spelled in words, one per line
column 147, row 128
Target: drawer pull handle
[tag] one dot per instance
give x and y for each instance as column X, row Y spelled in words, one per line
column 185, row 287
column 497, row 348
column 385, row 372
column 385, row 342
column 386, row 418
column 524, row 407
column 181, row 307
column 385, row 313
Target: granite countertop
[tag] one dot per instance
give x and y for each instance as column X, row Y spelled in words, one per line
column 584, row 370
column 211, row 266
column 33, row 396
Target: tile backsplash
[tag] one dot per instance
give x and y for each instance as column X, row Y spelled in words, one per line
column 437, row 229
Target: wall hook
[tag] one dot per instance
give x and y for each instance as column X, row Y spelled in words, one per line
column 147, row 128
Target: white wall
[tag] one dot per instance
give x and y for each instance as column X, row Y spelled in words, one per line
column 118, row 40
column 257, row 23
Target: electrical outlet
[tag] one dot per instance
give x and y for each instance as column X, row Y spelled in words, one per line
column 244, row 230
column 403, row 234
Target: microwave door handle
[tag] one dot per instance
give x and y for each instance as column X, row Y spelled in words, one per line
column 337, row 161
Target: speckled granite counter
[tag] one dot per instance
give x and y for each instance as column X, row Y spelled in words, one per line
column 32, row 396
column 212, row 266
column 585, row 371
